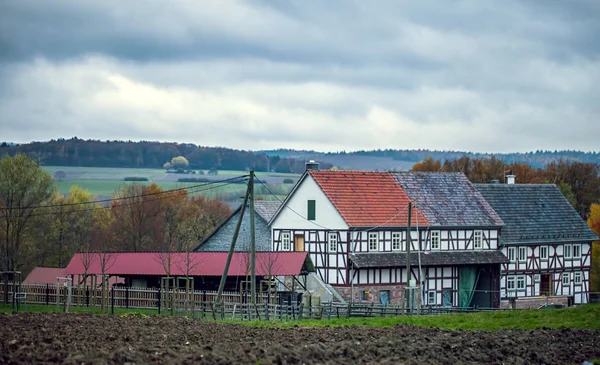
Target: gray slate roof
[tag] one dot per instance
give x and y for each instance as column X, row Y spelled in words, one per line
column 220, row 238
column 535, row 213
column 448, row 199
column 439, row 258
column 266, row 209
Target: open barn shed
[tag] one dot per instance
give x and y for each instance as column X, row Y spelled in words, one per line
column 147, row 269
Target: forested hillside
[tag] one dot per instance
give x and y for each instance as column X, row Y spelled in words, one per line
column 92, row 153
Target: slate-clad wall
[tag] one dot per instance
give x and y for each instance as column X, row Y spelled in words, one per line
column 221, row 240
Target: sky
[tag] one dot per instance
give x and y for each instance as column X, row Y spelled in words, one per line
column 331, row 75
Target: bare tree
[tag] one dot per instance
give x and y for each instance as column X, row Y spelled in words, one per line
column 269, row 262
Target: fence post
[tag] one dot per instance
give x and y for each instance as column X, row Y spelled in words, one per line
column 127, row 297
column 87, row 296
column 158, row 293
column 203, row 304
column 47, row 294
column 112, row 300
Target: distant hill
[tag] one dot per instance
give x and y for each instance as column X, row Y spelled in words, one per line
column 148, row 154
column 404, row 159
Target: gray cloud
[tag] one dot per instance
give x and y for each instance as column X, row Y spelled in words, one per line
column 473, row 75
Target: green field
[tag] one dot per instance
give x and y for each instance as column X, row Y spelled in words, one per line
column 585, row 316
column 105, row 181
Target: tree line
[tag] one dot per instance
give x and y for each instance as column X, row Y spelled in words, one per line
column 145, row 154
column 41, row 227
column 578, row 181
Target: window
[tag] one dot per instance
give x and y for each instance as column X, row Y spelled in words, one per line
column 544, row 252
column 522, row 254
column 431, row 297
column 396, row 241
column 384, row 297
column 536, row 278
column 363, row 295
column 576, row 251
column 577, row 278
column 520, row 282
column 510, row 285
column 373, row 241
column 567, row 251
column 333, row 241
column 511, row 254
column 478, row 240
column 285, row 241
column 311, row 210
column 435, row 240
column 566, row 278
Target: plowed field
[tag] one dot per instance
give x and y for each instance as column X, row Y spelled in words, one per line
column 77, row 339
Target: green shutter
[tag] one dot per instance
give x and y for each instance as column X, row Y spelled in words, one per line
column 311, row 210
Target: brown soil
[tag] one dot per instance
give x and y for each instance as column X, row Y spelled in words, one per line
column 77, row 339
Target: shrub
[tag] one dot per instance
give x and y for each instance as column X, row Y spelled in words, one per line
column 287, row 180
column 193, row 179
column 135, row 178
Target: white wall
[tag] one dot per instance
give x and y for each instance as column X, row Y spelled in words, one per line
column 326, row 214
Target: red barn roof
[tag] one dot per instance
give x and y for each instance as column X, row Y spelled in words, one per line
column 199, row 263
column 48, row 275
column 367, row 198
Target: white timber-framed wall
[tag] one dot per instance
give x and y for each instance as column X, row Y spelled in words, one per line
column 547, row 269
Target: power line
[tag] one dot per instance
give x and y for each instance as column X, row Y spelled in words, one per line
column 128, row 197
column 205, row 188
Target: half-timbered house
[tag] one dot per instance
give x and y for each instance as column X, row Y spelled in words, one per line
column 546, row 241
column 354, row 226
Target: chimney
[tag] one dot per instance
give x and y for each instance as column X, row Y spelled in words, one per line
column 510, row 179
column 312, row 165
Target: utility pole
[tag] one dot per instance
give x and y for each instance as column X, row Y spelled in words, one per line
column 252, row 241
column 408, row 244
column 232, row 247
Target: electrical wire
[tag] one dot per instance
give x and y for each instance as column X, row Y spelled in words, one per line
column 126, row 197
column 171, row 192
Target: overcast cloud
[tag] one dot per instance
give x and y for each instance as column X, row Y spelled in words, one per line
column 489, row 76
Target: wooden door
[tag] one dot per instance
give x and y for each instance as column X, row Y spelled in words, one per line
column 546, row 284
column 299, row 242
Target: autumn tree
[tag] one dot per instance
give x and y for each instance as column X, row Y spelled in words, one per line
column 136, row 213
column 594, row 222
column 24, row 186
column 427, row 165
column 178, row 163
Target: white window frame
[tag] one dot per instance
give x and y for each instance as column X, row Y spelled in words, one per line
column 332, row 240
column 523, row 258
column 567, row 276
column 512, row 254
column 511, row 285
column 397, row 239
column 521, row 280
column 577, row 277
column 431, row 300
column 286, row 241
column 435, row 237
column 576, row 253
column 568, row 249
column 543, row 250
column 478, row 240
column 373, row 241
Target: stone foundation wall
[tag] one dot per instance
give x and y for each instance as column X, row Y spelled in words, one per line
column 396, row 293
column 534, row 302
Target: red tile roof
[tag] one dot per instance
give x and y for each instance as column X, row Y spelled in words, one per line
column 200, row 263
column 48, row 275
column 367, row 198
